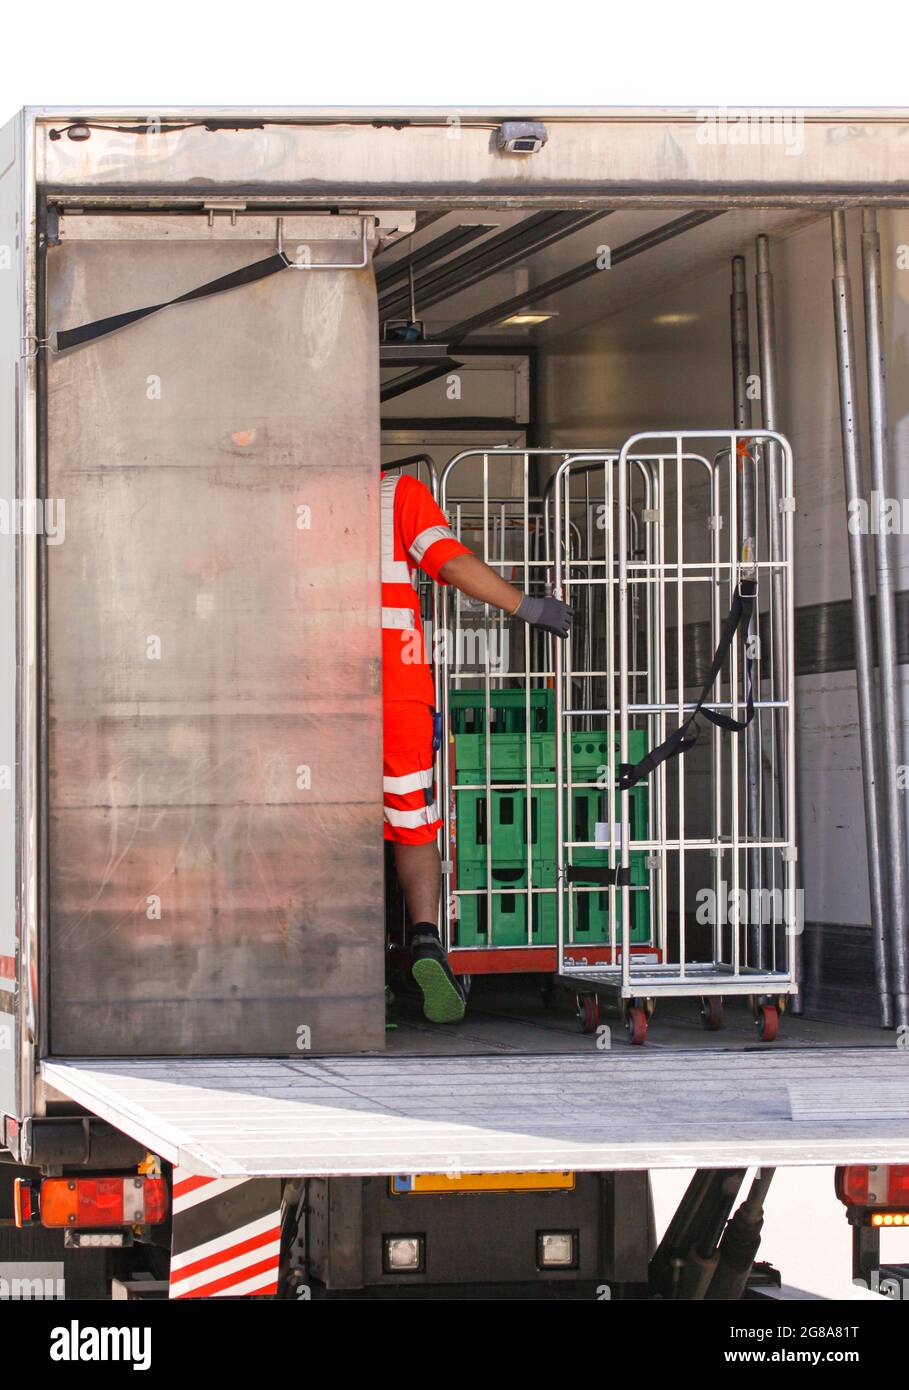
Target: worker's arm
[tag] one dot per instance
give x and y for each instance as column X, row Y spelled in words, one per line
column 431, row 544
column 476, row 579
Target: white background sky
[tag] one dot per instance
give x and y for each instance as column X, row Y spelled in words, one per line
column 469, row 52
column 806, row 1235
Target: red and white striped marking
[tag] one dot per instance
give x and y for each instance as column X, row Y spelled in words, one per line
column 191, row 1190
column 239, row 1262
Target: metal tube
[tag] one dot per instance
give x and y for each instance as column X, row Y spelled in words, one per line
column 891, row 749
column 559, row 738
column 766, row 325
column 716, row 621
column 623, row 858
column 861, row 619
column 528, row 745
column 735, row 819
column 487, row 720
column 680, row 684
column 741, row 366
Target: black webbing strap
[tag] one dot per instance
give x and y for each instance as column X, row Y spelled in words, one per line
column 679, row 741
column 246, row 275
column 605, row 877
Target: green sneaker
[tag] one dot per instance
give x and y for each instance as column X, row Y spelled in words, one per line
column 444, row 1000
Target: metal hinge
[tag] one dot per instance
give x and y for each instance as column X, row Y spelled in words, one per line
column 224, row 205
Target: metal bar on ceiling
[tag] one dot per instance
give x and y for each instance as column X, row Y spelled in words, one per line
column 443, row 245
column 645, row 242
column 500, row 253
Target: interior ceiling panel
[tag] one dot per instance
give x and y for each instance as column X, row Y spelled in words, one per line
column 687, row 256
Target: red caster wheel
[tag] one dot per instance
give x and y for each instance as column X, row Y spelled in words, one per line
column 636, row 1025
column 768, row 1022
column 712, row 1014
column 588, row 1013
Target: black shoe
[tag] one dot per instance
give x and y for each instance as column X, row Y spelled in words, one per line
column 444, row 1000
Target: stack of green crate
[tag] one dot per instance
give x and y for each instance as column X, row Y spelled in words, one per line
column 507, row 823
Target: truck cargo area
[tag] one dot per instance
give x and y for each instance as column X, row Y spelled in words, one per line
column 588, row 357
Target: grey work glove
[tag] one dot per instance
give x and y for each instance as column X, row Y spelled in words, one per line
column 548, row 613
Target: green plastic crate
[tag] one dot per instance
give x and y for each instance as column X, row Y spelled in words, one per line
column 467, row 707
column 508, row 753
column 511, row 874
column 591, row 908
column 509, row 918
column 591, row 914
column 508, row 827
column 509, row 757
column 590, row 806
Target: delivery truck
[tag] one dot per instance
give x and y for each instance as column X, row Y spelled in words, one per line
column 651, row 362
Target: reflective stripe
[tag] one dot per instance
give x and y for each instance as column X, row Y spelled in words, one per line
column 389, row 488
column 398, row 572
column 412, row 820
column 393, row 571
column 412, row 782
column 399, row 617
column 426, row 538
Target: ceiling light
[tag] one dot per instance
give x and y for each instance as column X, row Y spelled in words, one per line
column 675, row 318
column 529, row 318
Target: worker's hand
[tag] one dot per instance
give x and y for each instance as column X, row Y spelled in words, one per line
column 548, row 613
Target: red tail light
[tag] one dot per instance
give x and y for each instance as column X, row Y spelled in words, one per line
column 874, row 1185
column 103, row 1202
column 898, row 1187
column 25, row 1202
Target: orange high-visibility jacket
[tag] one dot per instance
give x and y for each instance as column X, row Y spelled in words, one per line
column 415, row 534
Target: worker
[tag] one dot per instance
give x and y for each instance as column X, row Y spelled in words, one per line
column 416, row 534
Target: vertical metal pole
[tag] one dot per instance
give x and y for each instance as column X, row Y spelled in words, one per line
column 490, row 900
column 741, row 362
column 861, row 620
column 779, row 636
column 623, row 857
column 680, row 681
column 533, row 904
column 766, row 325
column 559, row 738
column 891, row 749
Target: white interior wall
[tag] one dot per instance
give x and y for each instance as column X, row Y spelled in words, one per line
column 665, row 362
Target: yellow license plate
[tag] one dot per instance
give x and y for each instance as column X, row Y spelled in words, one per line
column 406, row 1184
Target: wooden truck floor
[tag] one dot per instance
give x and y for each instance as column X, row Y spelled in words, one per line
column 519, row 1089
